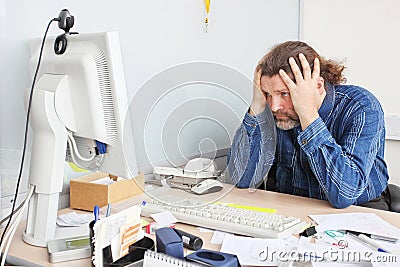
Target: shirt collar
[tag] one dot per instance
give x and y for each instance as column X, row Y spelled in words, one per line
column 327, row 105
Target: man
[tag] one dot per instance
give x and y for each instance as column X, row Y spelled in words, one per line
column 329, row 138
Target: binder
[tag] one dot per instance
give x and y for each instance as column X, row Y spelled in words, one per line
column 156, row 259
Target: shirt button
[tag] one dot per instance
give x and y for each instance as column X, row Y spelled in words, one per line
column 253, row 125
column 304, row 141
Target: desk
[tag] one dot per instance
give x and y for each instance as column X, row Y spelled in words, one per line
column 22, row 254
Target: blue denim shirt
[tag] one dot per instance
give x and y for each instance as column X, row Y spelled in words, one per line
column 339, row 157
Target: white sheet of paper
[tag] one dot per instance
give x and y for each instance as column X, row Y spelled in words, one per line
column 361, row 222
column 74, row 219
column 164, row 218
column 218, row 237
column 335, row 264
column 253, row 251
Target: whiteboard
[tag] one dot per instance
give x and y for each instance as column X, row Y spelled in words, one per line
column 365, row 34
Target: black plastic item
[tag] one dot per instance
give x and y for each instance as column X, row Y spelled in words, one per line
column 136, row 253
column 309, row 231
column 91, row 236
column 190, row 241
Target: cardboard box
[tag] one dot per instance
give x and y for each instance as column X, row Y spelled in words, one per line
column 84, row 194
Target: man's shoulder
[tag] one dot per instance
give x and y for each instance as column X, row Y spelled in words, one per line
column 351, row 90
column 357, row 95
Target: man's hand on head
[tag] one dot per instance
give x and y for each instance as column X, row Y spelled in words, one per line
column 259, row 101
column 308, row 92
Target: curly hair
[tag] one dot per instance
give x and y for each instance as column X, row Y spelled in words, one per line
column 278, row 58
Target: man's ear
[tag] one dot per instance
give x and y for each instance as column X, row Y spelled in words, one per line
column 321, row 85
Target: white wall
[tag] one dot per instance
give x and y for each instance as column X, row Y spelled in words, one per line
column 366, row 35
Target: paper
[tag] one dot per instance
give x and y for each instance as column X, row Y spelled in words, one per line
column 361, row 222
column 154, row 259
column 205, row 230
column 111, row 231
column 218, row 237
column 164, row 218
column 335, row 264
column 74, row 219
column 105, row 180
column 128, row 235
column 253, row 251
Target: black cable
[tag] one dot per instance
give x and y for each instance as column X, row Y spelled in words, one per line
column 26, row 131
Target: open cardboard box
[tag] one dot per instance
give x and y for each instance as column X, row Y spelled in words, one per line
column 85, row 194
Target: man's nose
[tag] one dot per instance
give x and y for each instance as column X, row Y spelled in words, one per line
column 275, row 104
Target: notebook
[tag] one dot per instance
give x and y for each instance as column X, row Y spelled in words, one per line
column 154, row 259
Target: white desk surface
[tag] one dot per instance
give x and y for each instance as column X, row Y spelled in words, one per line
column 285, row 204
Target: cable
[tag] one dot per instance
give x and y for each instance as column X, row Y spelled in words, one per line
column 26, row 131
column 10, row 234
column 72, row 155
column 74, row 148
column 15, row 211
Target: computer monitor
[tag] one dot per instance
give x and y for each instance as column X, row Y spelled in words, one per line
column 80, row 97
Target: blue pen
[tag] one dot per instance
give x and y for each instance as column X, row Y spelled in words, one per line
column 96, row 212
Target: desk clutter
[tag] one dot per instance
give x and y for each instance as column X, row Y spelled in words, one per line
column 118, row 240
column 126, row 239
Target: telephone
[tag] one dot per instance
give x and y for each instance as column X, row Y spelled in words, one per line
column 195, row 171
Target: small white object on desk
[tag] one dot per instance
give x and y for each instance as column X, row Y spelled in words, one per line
column 207, row 186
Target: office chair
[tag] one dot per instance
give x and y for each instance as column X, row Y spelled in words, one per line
column 394, row 197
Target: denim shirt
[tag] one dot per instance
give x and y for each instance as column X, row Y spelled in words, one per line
column 339, row 157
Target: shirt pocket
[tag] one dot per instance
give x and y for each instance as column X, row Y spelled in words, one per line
column 286, row 158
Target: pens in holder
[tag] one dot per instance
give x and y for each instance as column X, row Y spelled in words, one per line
column 108, row 210
column 96, row 212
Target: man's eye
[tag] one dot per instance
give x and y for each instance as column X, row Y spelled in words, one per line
column 285, row 94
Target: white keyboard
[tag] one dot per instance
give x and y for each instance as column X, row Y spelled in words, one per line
column 226, row 218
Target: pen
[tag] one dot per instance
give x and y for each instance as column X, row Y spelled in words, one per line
column 108, row 209
column 365, row 240
column 96, row 212
column 372, row 236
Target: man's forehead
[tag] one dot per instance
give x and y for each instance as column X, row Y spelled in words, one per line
column 273, row 84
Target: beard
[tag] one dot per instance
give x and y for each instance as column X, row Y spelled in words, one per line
column 286, row 120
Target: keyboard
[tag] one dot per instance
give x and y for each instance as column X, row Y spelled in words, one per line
column 225, row 218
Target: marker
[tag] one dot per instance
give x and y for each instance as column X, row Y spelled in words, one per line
column 372, row 236
column 96, row 212
column 367, row 242
column 108, row 210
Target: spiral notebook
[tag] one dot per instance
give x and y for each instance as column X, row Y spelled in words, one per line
column 154, row 259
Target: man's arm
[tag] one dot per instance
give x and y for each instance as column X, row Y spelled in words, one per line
column 252, row 151
column 342, row 167
column 253, row 147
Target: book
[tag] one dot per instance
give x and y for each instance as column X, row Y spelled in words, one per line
column 156, row 259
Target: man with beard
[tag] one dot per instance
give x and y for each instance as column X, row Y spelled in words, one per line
column 329, row 137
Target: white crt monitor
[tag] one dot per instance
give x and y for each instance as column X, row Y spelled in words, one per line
column 78, row 111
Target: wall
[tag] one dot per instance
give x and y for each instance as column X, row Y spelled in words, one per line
column 365, row 35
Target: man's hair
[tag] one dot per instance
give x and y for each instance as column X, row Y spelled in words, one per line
column 278, row 58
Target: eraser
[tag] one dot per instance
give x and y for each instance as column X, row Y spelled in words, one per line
column 153, row 226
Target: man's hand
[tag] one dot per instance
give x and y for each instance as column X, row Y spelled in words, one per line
column 307, row 93
column 259, row 101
